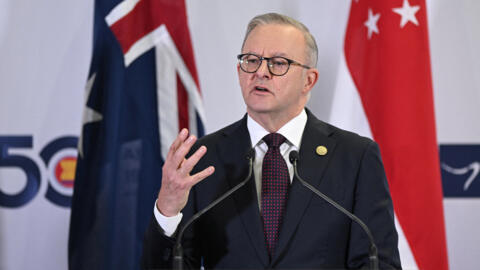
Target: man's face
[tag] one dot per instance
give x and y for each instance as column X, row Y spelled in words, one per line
column 276, row 95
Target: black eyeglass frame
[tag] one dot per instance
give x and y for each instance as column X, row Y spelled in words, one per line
column 289, row 61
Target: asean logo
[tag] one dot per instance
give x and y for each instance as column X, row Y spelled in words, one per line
column 58, row 169
column 65, row 171
column 60, row 156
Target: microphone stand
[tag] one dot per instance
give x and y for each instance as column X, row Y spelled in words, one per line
column 178, row 250
column 373, row 252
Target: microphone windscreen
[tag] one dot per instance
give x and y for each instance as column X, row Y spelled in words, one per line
column 293, row 156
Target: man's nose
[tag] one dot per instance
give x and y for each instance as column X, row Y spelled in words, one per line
column 263, row 70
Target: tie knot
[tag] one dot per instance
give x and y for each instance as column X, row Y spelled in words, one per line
column 274, row 140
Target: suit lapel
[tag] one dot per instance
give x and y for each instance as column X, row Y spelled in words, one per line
column 311, row 168
column 233, row 148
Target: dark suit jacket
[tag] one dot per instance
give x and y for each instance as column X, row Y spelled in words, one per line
column 313, row 235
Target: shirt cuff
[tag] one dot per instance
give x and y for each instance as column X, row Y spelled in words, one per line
column 168, row 224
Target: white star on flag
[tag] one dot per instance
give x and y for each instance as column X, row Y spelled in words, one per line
column 408, row 13
column 89, row 115
column 371, row 23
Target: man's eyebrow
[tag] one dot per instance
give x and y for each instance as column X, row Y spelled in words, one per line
column 280, row 54
column 272, row 55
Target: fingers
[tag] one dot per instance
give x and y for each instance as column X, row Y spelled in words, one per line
column 176, row 161
column 176, row 144
column 176, row 178
column 179, row 148
column 188, row 164
column 202, row 175
column 182, row 150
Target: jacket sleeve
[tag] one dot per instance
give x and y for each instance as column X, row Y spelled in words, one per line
column 158, row 248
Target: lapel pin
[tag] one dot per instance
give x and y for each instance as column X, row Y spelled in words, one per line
column 321, row 150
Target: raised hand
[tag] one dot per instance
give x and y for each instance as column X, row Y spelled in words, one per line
column 176, row 178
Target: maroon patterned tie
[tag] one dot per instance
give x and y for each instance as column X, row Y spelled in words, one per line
column 275, row 183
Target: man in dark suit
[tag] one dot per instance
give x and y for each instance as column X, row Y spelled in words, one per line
column 273, row 221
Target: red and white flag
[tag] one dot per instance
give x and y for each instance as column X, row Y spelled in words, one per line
column 385, row 91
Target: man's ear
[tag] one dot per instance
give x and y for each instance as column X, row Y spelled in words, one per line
column 311, row 79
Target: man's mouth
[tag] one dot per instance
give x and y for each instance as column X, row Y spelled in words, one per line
column 259, row 88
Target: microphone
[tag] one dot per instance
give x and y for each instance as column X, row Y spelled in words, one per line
column 373, row 253
column 178, row 250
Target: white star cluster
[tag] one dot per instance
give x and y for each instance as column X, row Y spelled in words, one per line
column 407, row 13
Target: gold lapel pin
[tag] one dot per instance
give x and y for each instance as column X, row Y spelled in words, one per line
column 321, row 150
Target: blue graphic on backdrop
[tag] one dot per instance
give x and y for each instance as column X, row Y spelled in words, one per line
column 28, row 166
column 59, row 157
column 460, row 166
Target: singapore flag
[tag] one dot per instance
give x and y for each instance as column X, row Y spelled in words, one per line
column 385, row 91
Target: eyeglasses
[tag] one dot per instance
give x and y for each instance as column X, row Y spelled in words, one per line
column 277, row 65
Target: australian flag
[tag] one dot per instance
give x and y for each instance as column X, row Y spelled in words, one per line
column 142, row 89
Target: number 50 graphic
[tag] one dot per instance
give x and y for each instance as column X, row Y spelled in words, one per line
column 62, row 169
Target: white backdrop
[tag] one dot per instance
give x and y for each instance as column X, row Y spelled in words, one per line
column 45, row 48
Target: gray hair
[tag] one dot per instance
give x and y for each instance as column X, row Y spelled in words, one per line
column 275, row 18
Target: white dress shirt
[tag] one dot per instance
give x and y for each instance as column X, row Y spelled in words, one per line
column 292, row 131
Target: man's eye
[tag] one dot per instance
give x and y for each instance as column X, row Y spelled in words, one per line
column 252, row 61
column 279, row 63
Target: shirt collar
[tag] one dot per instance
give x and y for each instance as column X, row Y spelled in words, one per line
column 292, row 130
